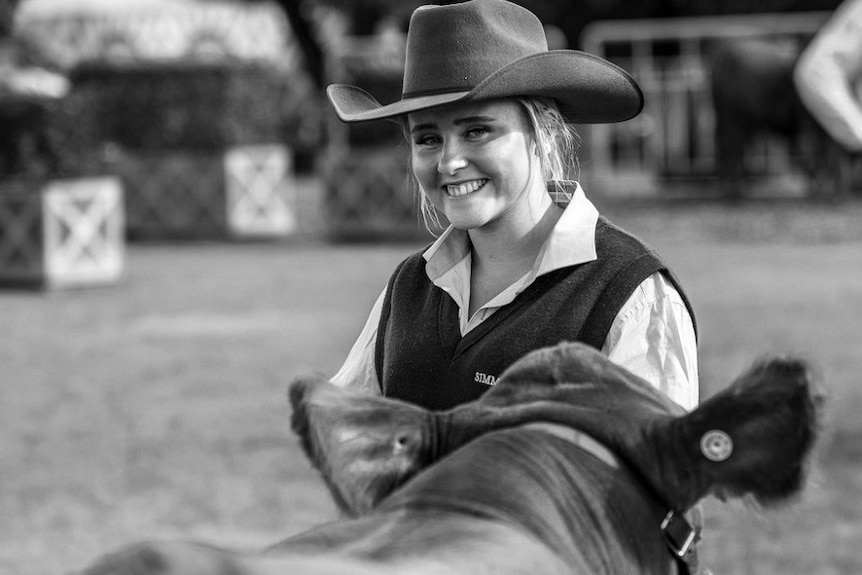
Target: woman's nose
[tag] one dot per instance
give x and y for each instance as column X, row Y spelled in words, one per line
column 451, row 158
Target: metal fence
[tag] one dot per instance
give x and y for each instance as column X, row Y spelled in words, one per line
column 673, row 138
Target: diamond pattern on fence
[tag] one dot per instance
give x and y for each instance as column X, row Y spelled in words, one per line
column 84, row 232
column 241, row 191
column 65, row 233
column 20, row 236
column 258, row 192
column 177, row 194
column 369, row 190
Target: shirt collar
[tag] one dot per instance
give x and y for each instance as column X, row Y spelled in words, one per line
column 572, row 240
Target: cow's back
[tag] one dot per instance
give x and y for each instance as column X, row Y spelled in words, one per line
column 513, row 501
column 422, row 542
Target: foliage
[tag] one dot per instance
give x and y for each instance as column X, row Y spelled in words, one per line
column 182, row 105
column 154, row 107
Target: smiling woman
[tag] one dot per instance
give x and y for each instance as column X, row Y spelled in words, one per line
column 526, row 260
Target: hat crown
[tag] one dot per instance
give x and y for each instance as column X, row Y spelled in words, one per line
column 453, row 48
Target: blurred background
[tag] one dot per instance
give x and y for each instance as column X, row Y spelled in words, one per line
column 185, row 226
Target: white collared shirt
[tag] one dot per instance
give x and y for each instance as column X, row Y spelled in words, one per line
column 652, row 335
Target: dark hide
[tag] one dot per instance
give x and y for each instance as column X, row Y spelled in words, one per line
column 480, row 507
column 472, row 490
column 364, row 446
column 754, row 95
column 771, row 412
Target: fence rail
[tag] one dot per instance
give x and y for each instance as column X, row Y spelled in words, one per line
column 673, row 138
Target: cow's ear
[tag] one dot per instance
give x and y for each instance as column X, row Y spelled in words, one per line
column 364, row 446
column 754, row 439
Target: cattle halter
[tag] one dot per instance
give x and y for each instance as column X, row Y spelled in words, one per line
column 579, row 438
column 676, row 531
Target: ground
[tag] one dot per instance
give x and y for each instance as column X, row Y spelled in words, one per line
column 157, row 407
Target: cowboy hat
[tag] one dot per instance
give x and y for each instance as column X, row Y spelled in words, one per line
column 485, row 49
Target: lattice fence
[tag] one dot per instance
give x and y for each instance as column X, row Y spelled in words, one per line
column 260, row 191
column 242, row 192
column 66, row 233
column 368, row 194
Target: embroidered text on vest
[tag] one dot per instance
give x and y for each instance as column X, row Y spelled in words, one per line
column 485, row 378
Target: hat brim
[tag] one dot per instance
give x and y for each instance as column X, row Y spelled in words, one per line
column 588, row 90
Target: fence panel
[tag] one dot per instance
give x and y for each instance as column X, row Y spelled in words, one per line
column 673, row 138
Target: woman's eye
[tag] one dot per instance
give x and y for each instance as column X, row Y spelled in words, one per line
column 427, row 141
column 477, row 132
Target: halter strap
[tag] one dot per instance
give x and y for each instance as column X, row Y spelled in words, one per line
column 677, row 532
column 579, row 438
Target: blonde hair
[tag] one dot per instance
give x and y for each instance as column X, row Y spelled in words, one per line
column 557, row 143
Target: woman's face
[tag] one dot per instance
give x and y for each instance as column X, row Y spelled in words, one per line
column 475, row 161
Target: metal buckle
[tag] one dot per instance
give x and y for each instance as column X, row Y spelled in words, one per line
column 677, row 533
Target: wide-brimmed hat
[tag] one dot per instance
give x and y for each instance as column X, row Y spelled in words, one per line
column 485, row 49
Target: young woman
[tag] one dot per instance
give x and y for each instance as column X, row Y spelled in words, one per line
column 526, row 260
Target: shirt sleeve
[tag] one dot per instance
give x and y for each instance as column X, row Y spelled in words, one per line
column 358, row 371
column 828, row 76
column 653, row 337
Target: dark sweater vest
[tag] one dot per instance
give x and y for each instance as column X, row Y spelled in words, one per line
column 422, row 358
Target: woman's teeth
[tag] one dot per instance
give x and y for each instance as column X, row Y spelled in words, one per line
column 465, row 188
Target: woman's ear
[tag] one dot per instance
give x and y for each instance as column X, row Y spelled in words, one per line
column 534, row 148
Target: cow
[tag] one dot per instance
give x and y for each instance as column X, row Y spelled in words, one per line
column 569, row 464
column 753, row 94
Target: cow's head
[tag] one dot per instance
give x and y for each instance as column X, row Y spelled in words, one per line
column 365, row 447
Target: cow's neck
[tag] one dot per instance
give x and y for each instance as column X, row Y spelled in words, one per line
column 587, row 511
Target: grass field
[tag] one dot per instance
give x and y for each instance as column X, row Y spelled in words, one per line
column 157, row 407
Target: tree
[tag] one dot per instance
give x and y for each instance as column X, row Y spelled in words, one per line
column 363, row 14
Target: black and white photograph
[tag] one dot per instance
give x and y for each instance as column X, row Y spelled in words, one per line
column 503, row 287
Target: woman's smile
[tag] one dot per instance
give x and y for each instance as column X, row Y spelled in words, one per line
column 464, row 188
